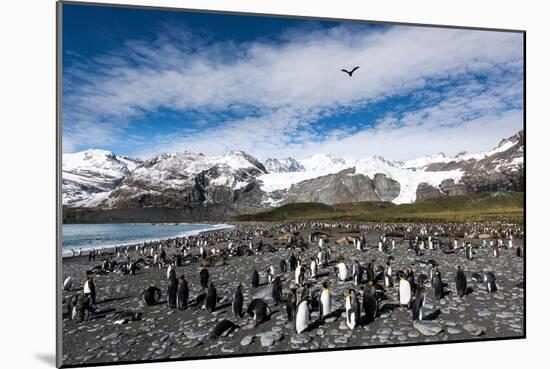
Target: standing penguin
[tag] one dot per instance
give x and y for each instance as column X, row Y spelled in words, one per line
column 313, row 268
column 388, row 279
column 203, row 278
column 172, row 292
column 490, row 281
column 469, row 252
column 461, row 283
column 89, row 288
column 410, row 277
column 291, row 304
column 183, row 293
column 437, row 285
column 270, row 274
column 277, row 290
column 171, row 269
column 370, row 271
column 325, row 303
column 405, row 291
column 83, row 308
column 370, row 303
column 302, row 316
column 71, row 304
column 356, row 272
column 255, row 279
column 211, row 298
column 418, row 304
column 299, row 275
column 341, row 271
column 283, row 266
column 353, row 309
column 237, row 305
column 293, row 262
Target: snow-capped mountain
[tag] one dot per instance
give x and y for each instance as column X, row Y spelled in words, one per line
column 218, row 186
column 89, row 176
column 283, row 165
column 188, row 179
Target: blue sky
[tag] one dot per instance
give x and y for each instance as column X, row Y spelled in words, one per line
column 141, row 82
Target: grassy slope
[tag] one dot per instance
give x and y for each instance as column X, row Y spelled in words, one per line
column 479, row 207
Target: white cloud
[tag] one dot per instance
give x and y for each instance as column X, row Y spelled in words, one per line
column 279, row 89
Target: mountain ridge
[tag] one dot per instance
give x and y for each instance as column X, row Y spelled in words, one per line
column 237, row 182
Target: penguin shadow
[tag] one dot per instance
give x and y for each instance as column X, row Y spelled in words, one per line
column 104, row 301
column 99, row 314
column 221, row 307
column 387, row 308
column 321, row 320
column 433, row 315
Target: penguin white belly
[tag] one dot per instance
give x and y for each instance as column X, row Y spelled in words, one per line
column 325, row 301
column 404, row 292
column 297, row 275
column 343, row 271
column 313, row 268
column 302, row 318
column 87, row 287
column 350, row 315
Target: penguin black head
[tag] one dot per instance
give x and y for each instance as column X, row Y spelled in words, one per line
column 325, row 285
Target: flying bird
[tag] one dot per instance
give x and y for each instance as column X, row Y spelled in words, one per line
column 348, row 72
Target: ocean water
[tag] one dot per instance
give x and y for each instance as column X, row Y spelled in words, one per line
column 87, row 236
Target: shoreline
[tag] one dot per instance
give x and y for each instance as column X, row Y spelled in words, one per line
column 111, row 248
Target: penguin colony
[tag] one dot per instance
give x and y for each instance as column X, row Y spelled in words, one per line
column 307, row 266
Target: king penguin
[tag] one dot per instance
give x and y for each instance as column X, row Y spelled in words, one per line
column 405, row 291
column 353, row 309
column 313, row 268
column 302, row 316
column 183, row 293
column 237, row 305
column 437, row 285
column 203, row 277
column 342, row 271
column 255, row 279
column 211, row 298
column 89, row 288
column 172, row 291
column 277, row 290
column 418, row 304
column 291, row 304
column 490, row 281
column 299, row 275
column 461, row 283
column 258, row 309
column 325, row 305
column 151, row 295
column 370, row 303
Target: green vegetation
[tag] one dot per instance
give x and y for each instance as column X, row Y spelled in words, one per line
column 502, row 206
